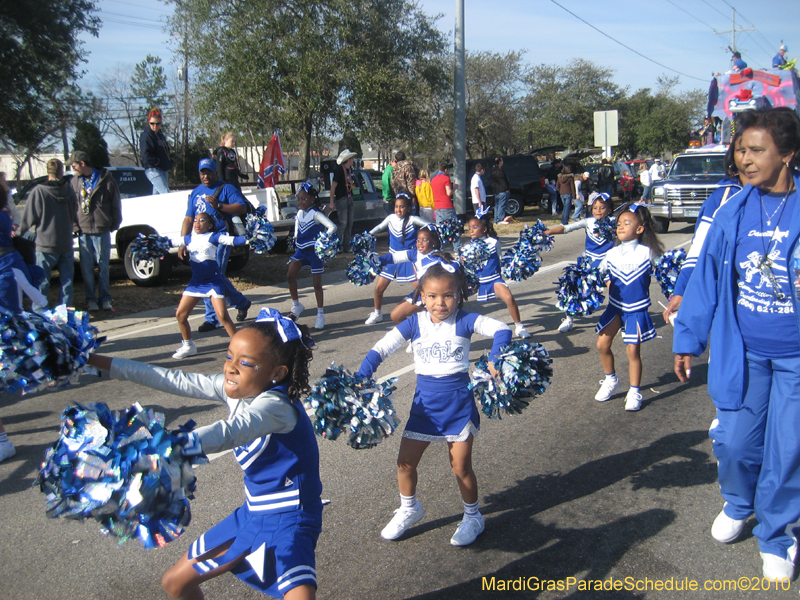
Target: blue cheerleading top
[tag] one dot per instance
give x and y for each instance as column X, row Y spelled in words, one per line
column 400, row 239
column 491, row 271
column 421, row 262
column 596, row 246
column 628, row 267
column 202, row 249
column 272, row 438
column 308, row 224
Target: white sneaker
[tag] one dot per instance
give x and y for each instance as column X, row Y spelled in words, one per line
column 403, row 519
column 7, row 450
column 468, row 530
column 106, row 305
column 185, row 351
column 521, row 331
column 566, row 324
column 725, row 529
column 91, row 306
column 374, row 317
column 633, row 401
column 320, row 322
column 297, row 309
column 775, row 567
column 607, row 387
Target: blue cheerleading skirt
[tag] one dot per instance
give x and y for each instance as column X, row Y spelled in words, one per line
column 402, row 272
column 207, row 288
column 637, row 327
column 443, row 410
column 279, row 548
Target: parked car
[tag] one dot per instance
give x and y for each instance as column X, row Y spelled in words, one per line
column 619, row 167
column 691, row 179
column 524, row 175
column 368, row 203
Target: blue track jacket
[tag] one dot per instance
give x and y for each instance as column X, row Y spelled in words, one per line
column 709, row 306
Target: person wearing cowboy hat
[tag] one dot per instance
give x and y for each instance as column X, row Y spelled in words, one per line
column 780, row 58
column 342, row 196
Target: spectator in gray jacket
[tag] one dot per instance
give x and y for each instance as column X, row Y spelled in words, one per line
column 51, row 210
column 99, row 213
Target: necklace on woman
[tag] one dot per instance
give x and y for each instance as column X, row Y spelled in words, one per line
column 772, row 216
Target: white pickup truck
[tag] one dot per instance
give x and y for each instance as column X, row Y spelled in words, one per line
column 163, row 215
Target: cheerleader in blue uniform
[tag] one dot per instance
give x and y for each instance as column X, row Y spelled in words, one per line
column 480, row 227
column 627, row 269
column 402, row 226
column 420, row 258
column 269, row 541
column 596, row 246
column 308, row 224
column 444, row 409
column 206, row 281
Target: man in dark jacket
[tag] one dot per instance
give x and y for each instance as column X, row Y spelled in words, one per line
column 99, row 213
column 155, row 153
column 500, row 187
column 51, row 210
column 605, row 178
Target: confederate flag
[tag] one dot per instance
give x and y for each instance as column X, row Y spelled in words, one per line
column 272, row 166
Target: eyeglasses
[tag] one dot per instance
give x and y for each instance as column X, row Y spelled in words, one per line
column 155, row 123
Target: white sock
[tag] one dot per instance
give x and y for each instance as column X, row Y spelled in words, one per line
column 471, row 510
column 320, row 311
column 3, row 438
column 188, row 342
column 611, row 377
column 635, row 389
column 377, row 311
column 408, row 501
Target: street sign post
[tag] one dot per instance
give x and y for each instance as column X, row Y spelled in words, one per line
column 606, row 130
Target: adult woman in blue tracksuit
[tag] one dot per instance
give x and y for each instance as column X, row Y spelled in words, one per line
column 743, row 293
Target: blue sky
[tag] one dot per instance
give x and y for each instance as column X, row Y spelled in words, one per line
column 676, row 33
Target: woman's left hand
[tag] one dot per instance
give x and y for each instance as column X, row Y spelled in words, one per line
column 683, row 367
column 494, row 372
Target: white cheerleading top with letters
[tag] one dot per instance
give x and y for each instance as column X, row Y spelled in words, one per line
column 628, row 267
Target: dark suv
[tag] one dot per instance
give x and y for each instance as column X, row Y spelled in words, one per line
column 524, row 176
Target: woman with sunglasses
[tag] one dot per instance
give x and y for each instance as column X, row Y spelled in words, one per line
column 742, row 299
column 155, row 153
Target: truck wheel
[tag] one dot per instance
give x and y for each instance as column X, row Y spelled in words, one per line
column 513, row 207
column 147, row 273
column 663, row 224
column 238, row 262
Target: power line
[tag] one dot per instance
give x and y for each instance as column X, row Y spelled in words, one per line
column 751, row 24
column 105, row 12
column 627, row 47
column 716, row 9
column 139, row 6
column 145, row 25
column 691, row 15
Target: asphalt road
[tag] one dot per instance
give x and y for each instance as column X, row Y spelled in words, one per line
column 572, row 488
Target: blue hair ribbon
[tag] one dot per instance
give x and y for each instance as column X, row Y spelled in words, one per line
column 287, row 329
column 482, row 211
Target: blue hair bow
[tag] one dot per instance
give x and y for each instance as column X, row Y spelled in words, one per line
column 306, row 186
column 482, row 211
column 287, row 329
column 450, row 267
column 402, row 195
column 636, row 205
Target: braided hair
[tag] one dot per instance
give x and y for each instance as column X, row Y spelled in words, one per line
column 293, row 354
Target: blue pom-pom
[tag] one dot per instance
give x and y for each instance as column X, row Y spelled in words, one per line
column 474, row 257
column 326, row 246
column 580, row 288
column 291, row 243
column 524, row 372
column 260, row 232
column 362, row 243
column 667, row 269
column 364, row 268
column 44, row 350
column 520, row 261
column 536, row 237
column 124, row 470
column 605, row 229
column 450, row 230
column 341, row 402
column 149, row 247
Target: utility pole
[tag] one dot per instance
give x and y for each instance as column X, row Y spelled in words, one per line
column 460, row 133
column 733, row 31
column 185, row 102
